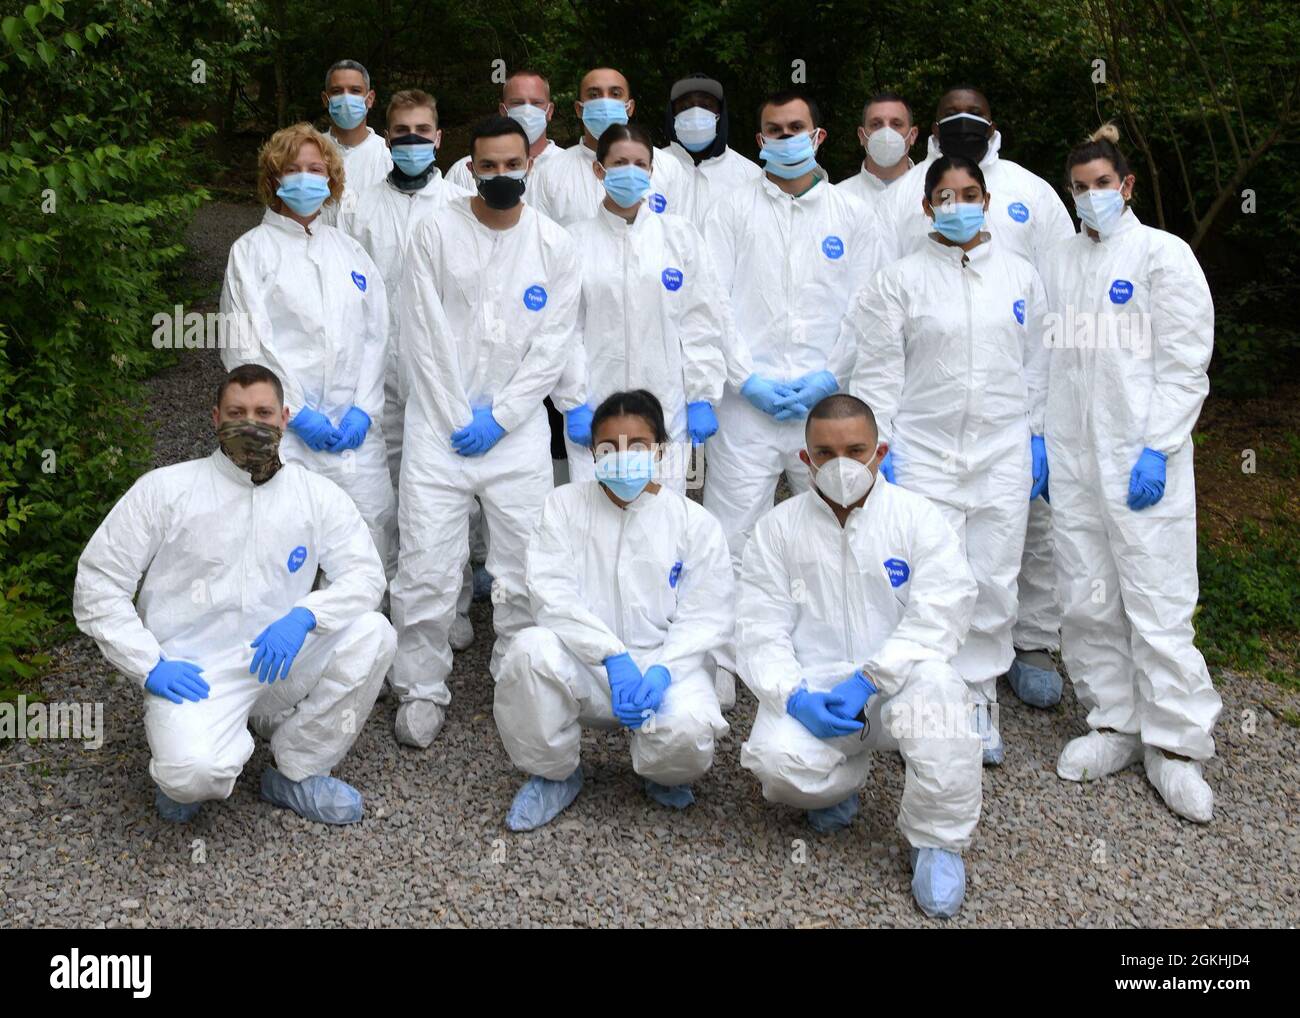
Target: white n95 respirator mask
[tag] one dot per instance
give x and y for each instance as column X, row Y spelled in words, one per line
column 843, row 480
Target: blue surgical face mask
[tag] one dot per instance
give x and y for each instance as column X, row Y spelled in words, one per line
column 788, row 158
column 1100, row 210
column 959, row 221
column 598, row 114
column 348, row 111
column 627, row 185
column 531, row 118
column 305, row 193
column 626, row 472
column 413, row 158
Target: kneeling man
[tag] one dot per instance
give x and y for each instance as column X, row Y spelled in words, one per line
column 227, row 630
column 854, row 596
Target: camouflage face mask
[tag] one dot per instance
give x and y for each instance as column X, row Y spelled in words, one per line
column 251, row 446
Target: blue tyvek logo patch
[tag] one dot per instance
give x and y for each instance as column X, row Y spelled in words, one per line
column 1018, row 211
column 360, row 280
column 296, row 558
column 833, row 247
column 1018, row 309
column 672, row 278
column 674, row 574
column 898, row 571
column 1121, row 291
column 535, row 298
column 658, row 203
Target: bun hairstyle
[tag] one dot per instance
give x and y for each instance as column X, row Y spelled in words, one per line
column 1103, row 143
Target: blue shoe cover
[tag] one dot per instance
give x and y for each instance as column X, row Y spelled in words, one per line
column 990, row 737
column 541, row 800
column 171, row 810
column 1038, row 687
column 676, row 796
column 482, row 584
column 834, row 818
column 320, row 798
column 938, row 881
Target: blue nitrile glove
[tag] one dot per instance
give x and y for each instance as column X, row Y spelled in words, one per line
column 853, row 692
column 624, row 680
column 817, row 712
column 479, row 435
column 887, row 467
column 1146, row 482
column 177, row 681
column 314, row 428
column 577, row 424
column 351, row 430
column 278, row 644
column 650, row 693
column 1038, row 456
column 701, row 421
column 766, row 394
column 814, row 387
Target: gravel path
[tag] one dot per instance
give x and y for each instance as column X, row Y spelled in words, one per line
column 80, row 844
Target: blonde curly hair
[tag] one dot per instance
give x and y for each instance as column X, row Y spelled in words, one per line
column 282, row 149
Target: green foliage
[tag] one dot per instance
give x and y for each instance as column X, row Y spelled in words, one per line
column 95, row 194
column 1250, row 590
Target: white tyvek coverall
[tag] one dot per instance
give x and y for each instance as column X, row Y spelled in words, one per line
column 487, row 320
column 888, row 594
column 950, row 358
column 222, row 559
column 317, row 314
column 363, row 165
column 461, row 173
column 866, row 187
column 651, row 318
column 381, row 220
column 1025, row 216
column 788, row 266
column 565, row 187
column 1129, row 652
column 711, row 180
column 653, row 581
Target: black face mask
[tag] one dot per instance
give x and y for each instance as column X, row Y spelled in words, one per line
column 500, row 192
column 962, row 136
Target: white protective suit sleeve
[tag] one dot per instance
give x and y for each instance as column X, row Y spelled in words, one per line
column 542, row 365
column 874, row 325
column 108, row 575
column 1055, row 223
column 701, row 328
column 429, row 366
column 571, row 387
column 242, row 295
column 766, row 614
column 1182, row 332
column 705, row 619
column 940, row 602
column 370, row 385
column 720, row 242
column 1037, row 355
column 348, row 559
column 558, row 603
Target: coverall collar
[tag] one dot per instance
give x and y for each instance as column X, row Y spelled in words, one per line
column 951, row 254
column 229, row 470
column 1127, row 223
column 617, row 224
column 990, row 159
column 287, row 225
column 813, row 194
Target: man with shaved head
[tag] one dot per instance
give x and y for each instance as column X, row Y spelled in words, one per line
column 1026, row 216
column 566, row 187
column 854, row 596
column 526, row 99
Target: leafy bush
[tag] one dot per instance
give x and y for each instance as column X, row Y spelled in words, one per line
column 1250, row 589
column 95, row 196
